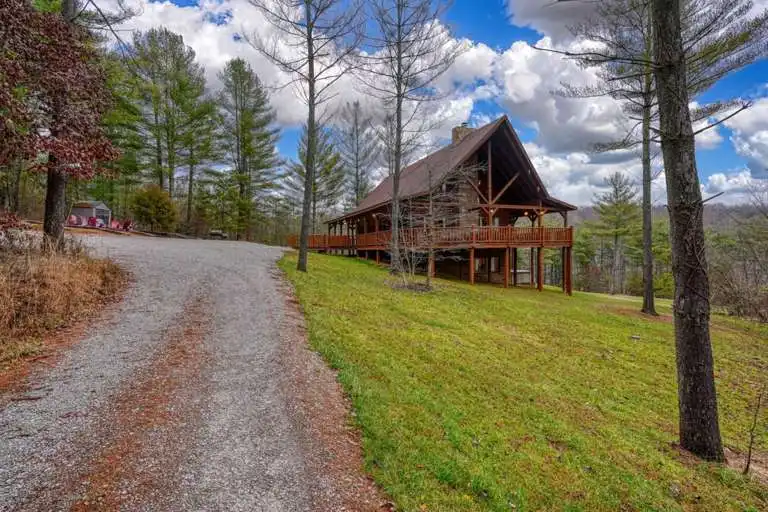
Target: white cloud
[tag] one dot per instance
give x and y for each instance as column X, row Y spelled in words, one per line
column 551, row 18
column 527, row 78
column 750, row 137
column 577, row 177
column 520, row 80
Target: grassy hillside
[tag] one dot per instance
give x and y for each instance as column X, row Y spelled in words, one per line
column 481, row 398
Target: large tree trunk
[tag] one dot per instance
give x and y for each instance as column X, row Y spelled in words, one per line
column 649, row 307
column 56, row 186
column 55, row 207
column 309, row 174
column 699, row 428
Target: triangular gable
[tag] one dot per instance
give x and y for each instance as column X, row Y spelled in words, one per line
column 415, row 178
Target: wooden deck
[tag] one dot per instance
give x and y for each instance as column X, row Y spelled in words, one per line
column 478, row 237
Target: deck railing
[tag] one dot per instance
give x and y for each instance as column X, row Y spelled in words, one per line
column 446, row 238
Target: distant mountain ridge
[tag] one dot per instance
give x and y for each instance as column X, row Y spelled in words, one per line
column 715, row 215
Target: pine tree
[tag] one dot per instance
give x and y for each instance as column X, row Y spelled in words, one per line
column 197, row 133
column 619, row 215
column 359, row 148
column 327, row 186
column 248, row 137
column 172, row 87
column 122, row 125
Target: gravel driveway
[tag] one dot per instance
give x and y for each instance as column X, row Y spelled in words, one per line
column 175, row 402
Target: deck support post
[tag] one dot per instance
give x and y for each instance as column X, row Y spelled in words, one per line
column 540, row 269
column 562, row 267
column 431, row 265
column 531, row 270
column 514, row 266
column 488, row 264
column 568, row 271
column 506, row 268
column 471, row 265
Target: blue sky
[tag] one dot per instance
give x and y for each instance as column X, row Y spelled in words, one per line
column 502, row 74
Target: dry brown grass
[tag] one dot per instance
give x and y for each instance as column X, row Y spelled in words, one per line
column 41, row 292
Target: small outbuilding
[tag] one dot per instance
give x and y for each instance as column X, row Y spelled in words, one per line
column 87, row 210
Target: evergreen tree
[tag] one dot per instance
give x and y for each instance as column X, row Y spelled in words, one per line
column 359, row 148
column 122, row 124
column 327, row 186
column 172, row 87
column 248, row 137
column 197, row 134
column 619, row 215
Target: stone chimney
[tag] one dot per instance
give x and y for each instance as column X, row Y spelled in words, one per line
column 459, row 132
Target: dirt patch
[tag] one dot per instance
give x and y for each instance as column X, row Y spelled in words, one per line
column 734, row 460
column 322, row 410
column 636, row 313
column 758, row 468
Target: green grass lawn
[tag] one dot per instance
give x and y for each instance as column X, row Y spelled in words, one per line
column 484, row 398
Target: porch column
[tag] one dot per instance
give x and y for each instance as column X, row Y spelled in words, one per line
column 328, row 240
column 514, row 266
column 377, row 257
column 506, row 268
column 568, row 271
column 471, row 265
column 540, row 269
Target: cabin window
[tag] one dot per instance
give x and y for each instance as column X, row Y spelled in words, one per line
column 496, row 221
column 495, row 264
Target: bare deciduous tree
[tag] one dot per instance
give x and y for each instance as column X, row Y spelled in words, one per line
column 314, row 40
column 410, row 50
column 426, row 217
column 357, row 144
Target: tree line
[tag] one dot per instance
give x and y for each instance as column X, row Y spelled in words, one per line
column 608, row 251
column 179, row 156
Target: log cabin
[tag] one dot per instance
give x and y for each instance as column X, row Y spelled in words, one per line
column 494, row 215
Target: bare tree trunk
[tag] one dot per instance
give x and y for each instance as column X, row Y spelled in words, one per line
column 697, row 399
column 395, row 263
column 309, row 175
column 649, row 306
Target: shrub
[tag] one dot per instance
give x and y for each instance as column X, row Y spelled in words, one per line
column 153, row 208
column 44, row 290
